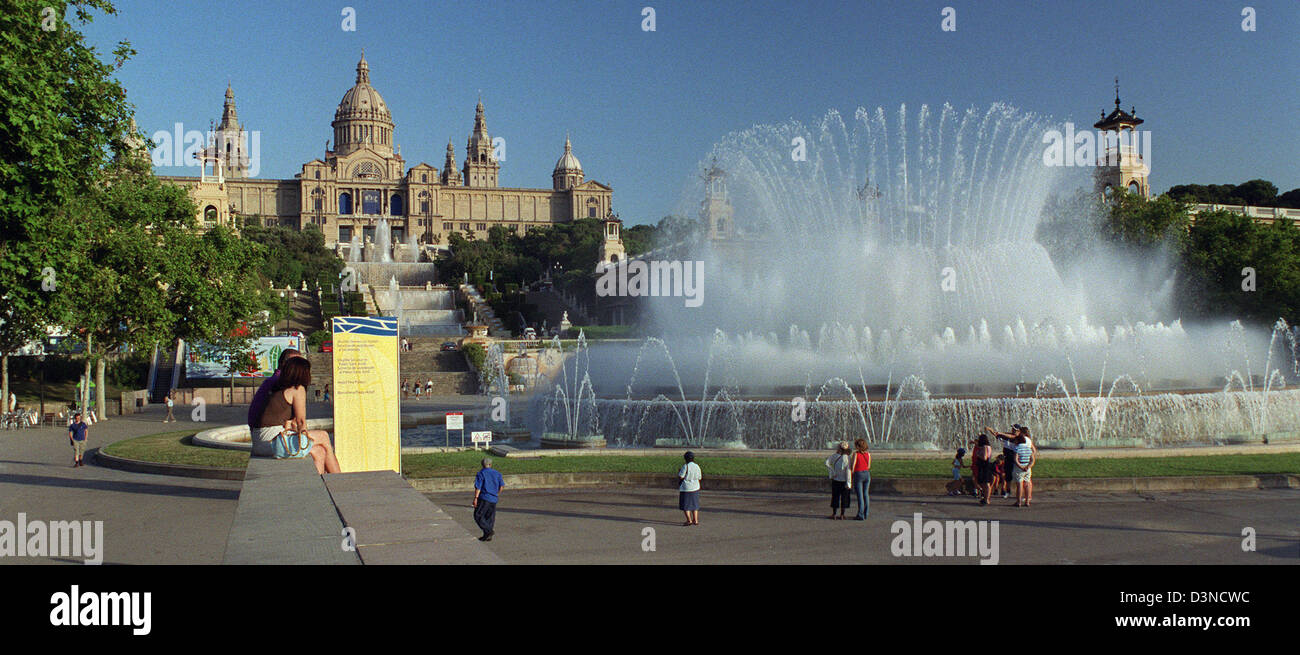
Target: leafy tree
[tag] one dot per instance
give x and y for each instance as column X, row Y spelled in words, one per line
column 294, row 256
column 63, row 116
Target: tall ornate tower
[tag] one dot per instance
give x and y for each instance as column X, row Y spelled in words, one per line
column 611, row 247
column 568, row 170
column 450, row 176
column 362, row 119
column 1120, row 166
column 481, row 167
column 716, row 212
column 230, row 140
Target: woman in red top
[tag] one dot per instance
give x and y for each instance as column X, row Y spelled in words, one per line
column 861, row 477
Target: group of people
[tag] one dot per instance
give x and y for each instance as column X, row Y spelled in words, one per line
column 1013, row 469
column 279, row 411
column 416, row 387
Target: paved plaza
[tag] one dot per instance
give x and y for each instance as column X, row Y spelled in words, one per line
column 605, row 526
column 155, row 519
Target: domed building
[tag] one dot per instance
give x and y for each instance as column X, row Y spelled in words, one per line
column 362, row 177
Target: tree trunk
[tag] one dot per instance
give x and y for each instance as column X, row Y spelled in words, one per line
column 100, row 390
column 84, row 401
column 4, row 380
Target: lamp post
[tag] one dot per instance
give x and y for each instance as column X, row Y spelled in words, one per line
column 41, row 359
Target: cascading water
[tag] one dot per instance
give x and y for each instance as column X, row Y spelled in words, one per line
column 899, row 258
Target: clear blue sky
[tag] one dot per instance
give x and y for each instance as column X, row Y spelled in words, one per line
column 643, row 108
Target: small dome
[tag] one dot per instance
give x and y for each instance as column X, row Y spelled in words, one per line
column 568, row 162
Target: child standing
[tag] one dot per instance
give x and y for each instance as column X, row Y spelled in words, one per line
column 954, row 487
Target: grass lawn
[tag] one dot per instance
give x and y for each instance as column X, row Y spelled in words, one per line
column 175, row 448
column 466, row 463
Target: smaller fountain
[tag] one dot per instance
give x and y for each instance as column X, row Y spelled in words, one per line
column 354, row 247
column 384, row 241
column 568, row 413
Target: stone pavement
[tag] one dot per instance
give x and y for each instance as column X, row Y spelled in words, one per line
column 607, row 526
column 148, row 519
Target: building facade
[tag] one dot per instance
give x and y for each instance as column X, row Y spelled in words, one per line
column 363, row 177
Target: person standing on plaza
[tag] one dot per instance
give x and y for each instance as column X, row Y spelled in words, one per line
column 171, row 403
column 862, row 478
column 840, row 467
column 428, row 388
column 77, row 437
column 688, row 489
column 487, row 489
column 1026, row 457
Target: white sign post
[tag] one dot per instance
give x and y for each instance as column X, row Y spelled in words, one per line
column 481, row 437
column 456, row 421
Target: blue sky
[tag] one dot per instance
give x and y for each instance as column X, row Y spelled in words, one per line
column 643, row 108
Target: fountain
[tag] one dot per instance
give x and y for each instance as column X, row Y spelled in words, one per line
column 383, row 242
column 899, row 259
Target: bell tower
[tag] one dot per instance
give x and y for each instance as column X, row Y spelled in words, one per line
column 481, row 167
column 716, row 212
column 1120, row 165
column 611, row 247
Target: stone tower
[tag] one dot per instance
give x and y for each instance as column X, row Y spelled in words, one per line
column 230, row 139
column 481, row 167
column 611, row 247
column 450, row 176
column 716, row 213
column 1120, row 165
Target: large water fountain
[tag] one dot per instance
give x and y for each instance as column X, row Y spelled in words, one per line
column 883, row 279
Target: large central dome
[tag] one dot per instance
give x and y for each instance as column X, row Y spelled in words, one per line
column 362, row 118
column 362, row 100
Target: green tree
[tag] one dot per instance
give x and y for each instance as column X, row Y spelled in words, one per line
column 62, row 118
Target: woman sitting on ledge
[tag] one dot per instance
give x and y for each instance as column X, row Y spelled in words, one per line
column 288, row 408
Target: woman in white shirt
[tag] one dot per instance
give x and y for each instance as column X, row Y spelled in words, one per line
column 688, row 489
column 839, row 464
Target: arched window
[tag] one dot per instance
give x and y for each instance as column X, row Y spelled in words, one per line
column 318, row 175
column 395, row 205
column 424, row 177
column 210, row 214
column 1133, row 188
column 345, row 203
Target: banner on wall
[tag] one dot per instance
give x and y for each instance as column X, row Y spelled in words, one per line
column 201, row 362
column 367, row 413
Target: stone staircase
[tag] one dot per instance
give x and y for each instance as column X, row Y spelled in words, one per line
column 450, row 374
column 485, row 314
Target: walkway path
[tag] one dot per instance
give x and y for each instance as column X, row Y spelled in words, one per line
column 148, row 519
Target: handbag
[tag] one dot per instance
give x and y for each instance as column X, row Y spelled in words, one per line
column 291, row 445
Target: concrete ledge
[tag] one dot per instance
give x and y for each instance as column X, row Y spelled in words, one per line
column 884, row 486
column 394, row 524
column 157, row 468
column 285, row 516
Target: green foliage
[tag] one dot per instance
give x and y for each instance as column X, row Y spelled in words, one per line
column 315, row 339
column 294, row 256
column 1223, row 245
column 1259, row 193
column 475, row 354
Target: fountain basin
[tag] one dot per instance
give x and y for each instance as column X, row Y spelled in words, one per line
column 562, row 440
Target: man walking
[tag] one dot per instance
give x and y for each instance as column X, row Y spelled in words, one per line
column 77, row 437
column 487, row 485
column 170, row 418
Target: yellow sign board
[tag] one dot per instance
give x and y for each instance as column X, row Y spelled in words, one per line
column 367, row 410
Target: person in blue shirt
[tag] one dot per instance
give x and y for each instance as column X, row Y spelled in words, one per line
column 487, row 487
column 77, row 436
